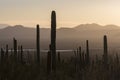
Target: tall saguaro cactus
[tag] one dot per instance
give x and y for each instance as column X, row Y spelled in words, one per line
column 48, row 62
column 53, row 39
column 105, row 55
column 38, row 43
column 49, row 56
column 87, row 52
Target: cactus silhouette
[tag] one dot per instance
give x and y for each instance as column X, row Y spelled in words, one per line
column 38, row 43
column 117, row 58
column 49, row 60
column 2, row 55
column 15, row 48
column 77, row 52
column 80, row 57
column 105, row 55
column 87, row 53
column 21, row 54
column 59, row 58
column 6, row 51
column 83, row 59
column 53, row 39
column 96, row 59
column 11, row 51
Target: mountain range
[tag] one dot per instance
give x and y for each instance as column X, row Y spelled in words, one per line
column 3, row 25
column 67, row 38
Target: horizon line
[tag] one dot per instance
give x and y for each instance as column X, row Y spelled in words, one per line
column 13, row 25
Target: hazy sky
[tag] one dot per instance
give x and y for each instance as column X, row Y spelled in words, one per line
column 69, row 12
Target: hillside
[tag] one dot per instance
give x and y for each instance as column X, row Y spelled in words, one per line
column 67, row 37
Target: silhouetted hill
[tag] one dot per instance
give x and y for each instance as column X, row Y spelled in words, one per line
column 67, row 38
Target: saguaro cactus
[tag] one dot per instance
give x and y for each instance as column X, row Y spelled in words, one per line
column 87, row 53
column 6, row 51
column 2, row 55
column 96, row 59
column 117, row 58
column 21, row 52
column 49, row 61
column 83, row 59
column 80, row 56
column 59, row 58
column 38, row 44
column 15, row 47
column 53, row 39
column 105, row 55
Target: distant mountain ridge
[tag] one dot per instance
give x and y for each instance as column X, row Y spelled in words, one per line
column 82, row 26
column 67, row 37
column 95, row 26
column 3, row 25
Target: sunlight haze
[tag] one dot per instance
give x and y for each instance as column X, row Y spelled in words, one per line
column 70, row 13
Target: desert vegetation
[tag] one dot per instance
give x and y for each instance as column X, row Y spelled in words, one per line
column 15, row 64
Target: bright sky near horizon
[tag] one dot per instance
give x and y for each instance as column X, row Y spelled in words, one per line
column 69, row 12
